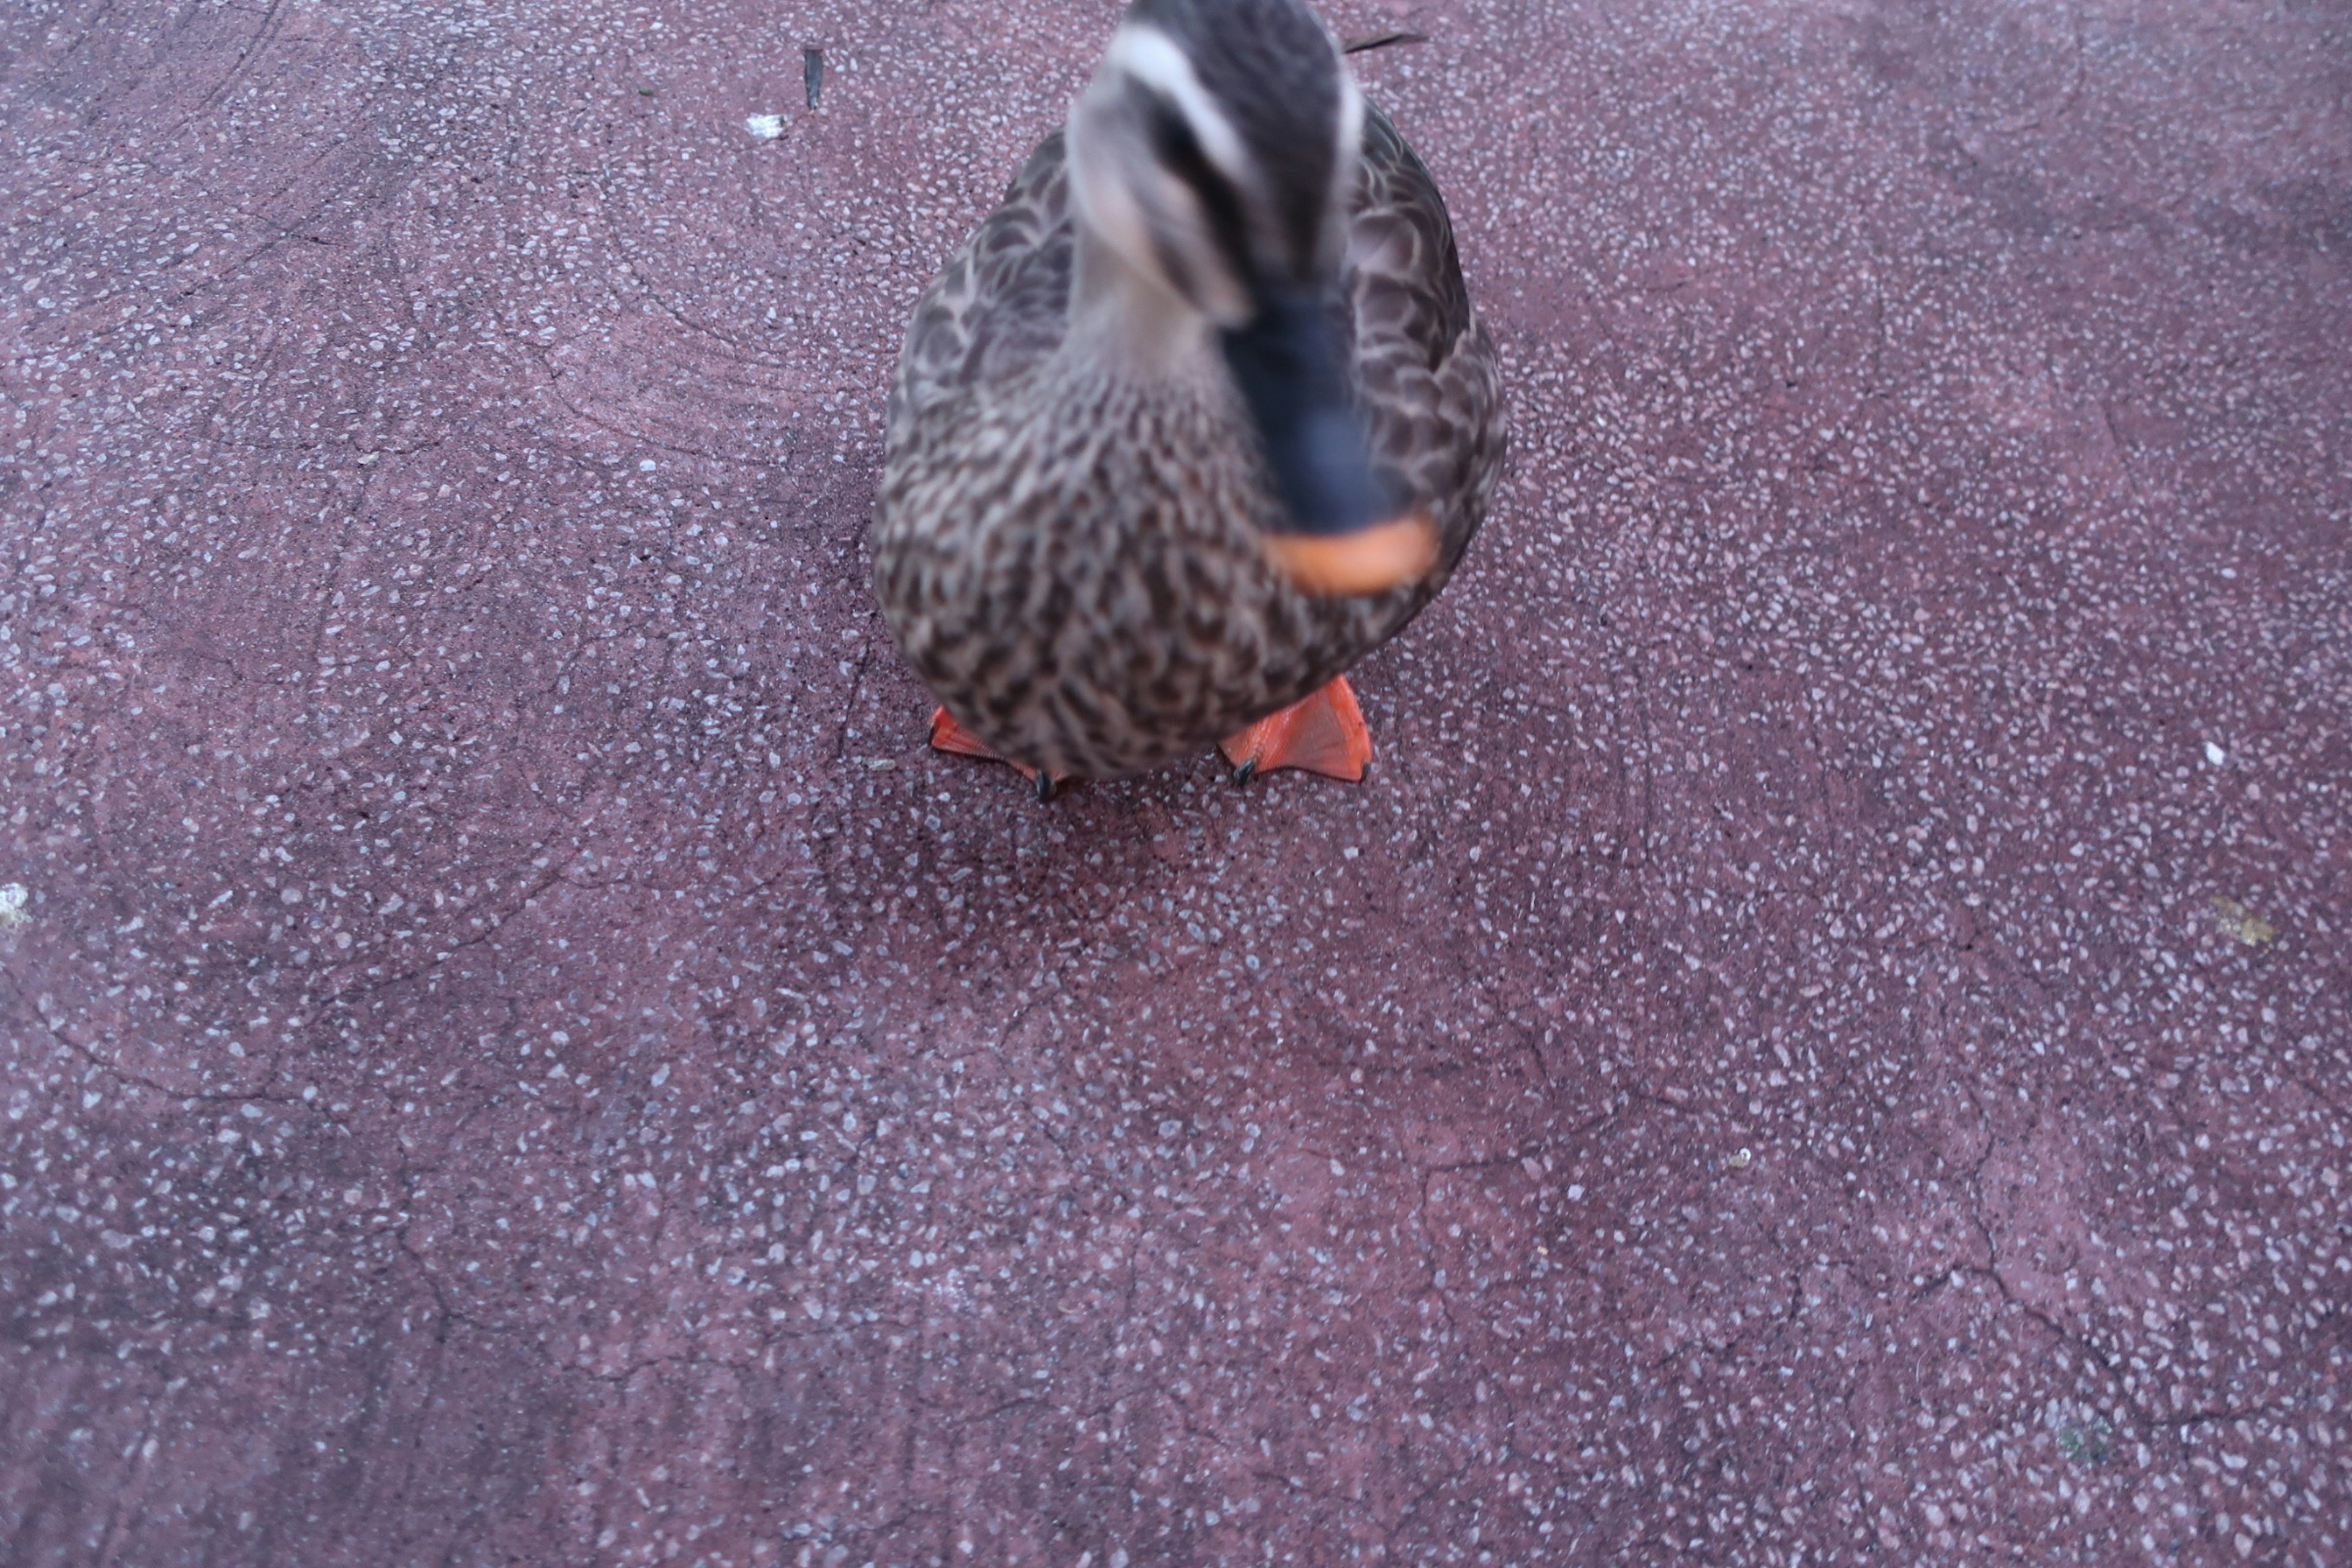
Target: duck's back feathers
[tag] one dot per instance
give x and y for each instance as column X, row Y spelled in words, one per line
column 1423, row 365
column 1004, row 301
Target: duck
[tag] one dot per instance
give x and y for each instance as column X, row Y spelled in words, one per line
column 1200, row 415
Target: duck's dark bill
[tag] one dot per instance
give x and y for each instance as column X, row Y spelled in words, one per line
column 1287, row 370
column 1344, row 534
column 1369, row 560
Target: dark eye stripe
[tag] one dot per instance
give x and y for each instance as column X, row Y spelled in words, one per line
column 1179, row 153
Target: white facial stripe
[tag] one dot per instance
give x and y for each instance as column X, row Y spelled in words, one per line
column 1351, row 124
column 1151, row 58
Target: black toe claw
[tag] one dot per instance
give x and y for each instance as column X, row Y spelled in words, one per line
column 1046, row 784
column 1244, row 773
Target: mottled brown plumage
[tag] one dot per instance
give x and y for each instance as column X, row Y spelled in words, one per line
column 1068, row 541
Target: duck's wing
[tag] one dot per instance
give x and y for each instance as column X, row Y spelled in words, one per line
column 1002, row 303
column 1424, row 367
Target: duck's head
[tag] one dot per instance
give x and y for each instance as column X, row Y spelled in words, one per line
column 1215, row 155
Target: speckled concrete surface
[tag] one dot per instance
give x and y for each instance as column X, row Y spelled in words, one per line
column 1824, row 1039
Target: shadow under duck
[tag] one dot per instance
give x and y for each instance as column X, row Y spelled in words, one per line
column 1198, row 417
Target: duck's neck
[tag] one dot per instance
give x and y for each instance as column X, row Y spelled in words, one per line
column 1129, row 324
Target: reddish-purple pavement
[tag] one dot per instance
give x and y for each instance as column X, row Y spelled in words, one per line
column 1823, row 1039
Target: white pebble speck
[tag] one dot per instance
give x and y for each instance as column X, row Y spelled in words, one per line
column 766, row 127
column 2215, row 754
column 11, row 905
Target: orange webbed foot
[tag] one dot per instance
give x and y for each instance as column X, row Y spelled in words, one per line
column 1322, row 733
column 946, row 736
